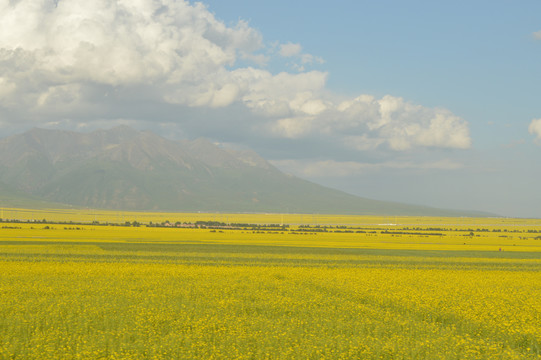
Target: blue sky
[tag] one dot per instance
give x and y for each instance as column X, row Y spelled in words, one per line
column 467, row 56
column 423, row 102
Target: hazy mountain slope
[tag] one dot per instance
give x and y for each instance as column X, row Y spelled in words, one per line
column 126, row 169
column 13, row 198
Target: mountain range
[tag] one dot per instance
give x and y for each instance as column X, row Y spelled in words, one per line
column 122, row 168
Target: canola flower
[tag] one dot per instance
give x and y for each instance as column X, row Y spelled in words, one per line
column 125, row 293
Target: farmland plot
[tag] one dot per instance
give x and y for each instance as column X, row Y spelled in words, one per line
column 86, row 292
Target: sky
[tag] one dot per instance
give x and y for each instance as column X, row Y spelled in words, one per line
column 423, row 102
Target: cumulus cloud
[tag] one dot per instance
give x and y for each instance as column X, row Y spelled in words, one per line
column 535, row 129
column 169, row 44
column 366, row 123
column 291, row 50
column 82, row 61
column 537, row 35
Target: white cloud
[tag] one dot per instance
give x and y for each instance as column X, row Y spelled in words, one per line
column 280, row 95
column 535, row 129
column 289, row 49
column 77, row 59
column 6, row 87
column 537, row 35
column 169, row 44
column 293, row 128
column 363, row 142
column 366, row 123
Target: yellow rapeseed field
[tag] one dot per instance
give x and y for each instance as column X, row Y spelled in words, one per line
column 335, row 288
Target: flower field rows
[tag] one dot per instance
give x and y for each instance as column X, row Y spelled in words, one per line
column 91, row 292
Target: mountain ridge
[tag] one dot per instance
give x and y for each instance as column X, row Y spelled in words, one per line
column 122, row 168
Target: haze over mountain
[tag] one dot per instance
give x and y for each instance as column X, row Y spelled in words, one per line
column 122, row 168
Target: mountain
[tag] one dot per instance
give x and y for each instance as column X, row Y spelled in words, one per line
column 13, row 198
column 122, row 168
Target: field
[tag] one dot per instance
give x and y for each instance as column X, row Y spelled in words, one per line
column 218, row 286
